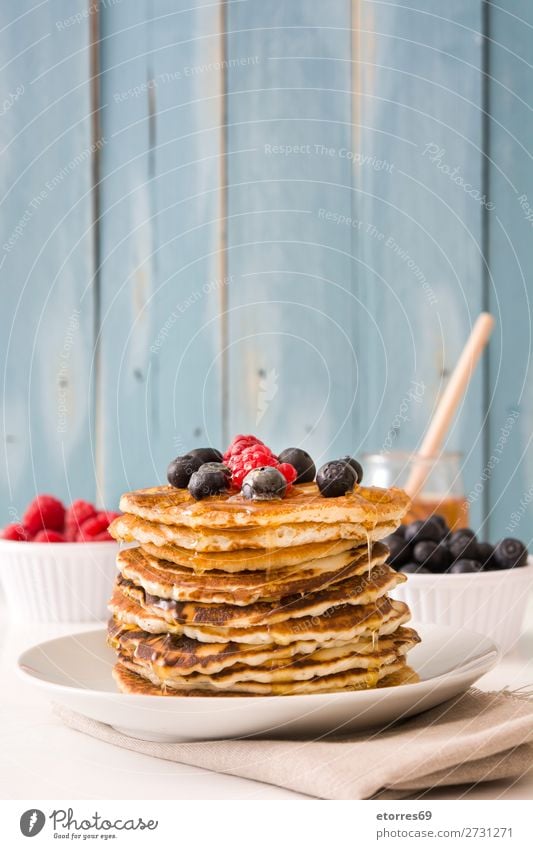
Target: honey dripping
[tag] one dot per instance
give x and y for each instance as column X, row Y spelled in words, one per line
column 369, row 552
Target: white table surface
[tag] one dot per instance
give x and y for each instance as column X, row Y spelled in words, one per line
column 42, row 759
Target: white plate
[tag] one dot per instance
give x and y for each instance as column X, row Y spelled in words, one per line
column 75, row 671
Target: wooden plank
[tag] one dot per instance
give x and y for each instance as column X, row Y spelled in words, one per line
column 46, row 257
column 292, row 357
column 510, row 256
column 418, row 118
column 161, row 281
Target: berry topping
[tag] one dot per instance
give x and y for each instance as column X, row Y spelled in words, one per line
column 239, row 444
column 288, row 471
column 357, row 467
column 78, row 513
column 209, row 479
column 180, row 470
column 302, row 462
column 48, row 536
column 335, row 478
column 206, row 455
column 15, row 532
column 264, row 484
column 253, row 457
column 45, row 511
column 464, row 565
column 510, row 553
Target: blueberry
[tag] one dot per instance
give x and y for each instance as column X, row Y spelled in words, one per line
column 412, row 568
column 335, row 478
column 463, row 545
column 440, row 520
column 433, row 555
column 209, row 479
column 465, row 565
column 302, row 462
column 264, row 484
column 357, row 467
column 180, row 470
column 207, row 455
column 399, row 550
column 424, row 529
column 485, row 556
column 510, row 553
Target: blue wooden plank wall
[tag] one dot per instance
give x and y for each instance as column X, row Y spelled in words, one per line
column 161, row 276
column 294, row 362
column 46, row 253
column 278, row 221
column 418, row 95
column 509, row 458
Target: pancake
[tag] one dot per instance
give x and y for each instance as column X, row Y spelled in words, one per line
column 258, row 559
column 405, row 675
column 130, row 682
column 296, row 669
column 343, row 623
column 359, row 590
column 226, row 596
column 168, row 580
column 180, row 656
column 130, row 528
column 303, row 503
column 351, row 679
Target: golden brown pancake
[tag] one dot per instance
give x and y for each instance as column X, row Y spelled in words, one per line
column 345, row 622
column 130, row 528
column 351, row 679
column 180, row 656
column 167, row 580
column 358, row 590
column 329, row 556
column 226, row 596
column 303, row 503
column 132, row 683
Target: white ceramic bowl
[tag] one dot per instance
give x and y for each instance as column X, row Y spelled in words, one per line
column 57, row 582
column 491, row 603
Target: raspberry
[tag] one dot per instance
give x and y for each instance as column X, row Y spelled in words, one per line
column 251, row 458
column 239, row 443
column 105, row 536
column 48, row 536
column 247, row 452
column 15, row 532
column 95, row 526
column 45, row 511
column 289, row 472
column 78, row 513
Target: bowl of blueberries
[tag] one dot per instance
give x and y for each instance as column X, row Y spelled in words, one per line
column 455, row 579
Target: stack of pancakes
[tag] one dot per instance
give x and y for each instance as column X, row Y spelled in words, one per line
column 230, row 597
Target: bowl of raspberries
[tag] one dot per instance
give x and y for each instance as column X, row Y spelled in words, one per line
column 456, row 579
column 57, row 563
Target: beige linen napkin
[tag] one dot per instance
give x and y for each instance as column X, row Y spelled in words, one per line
column 475, row 737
